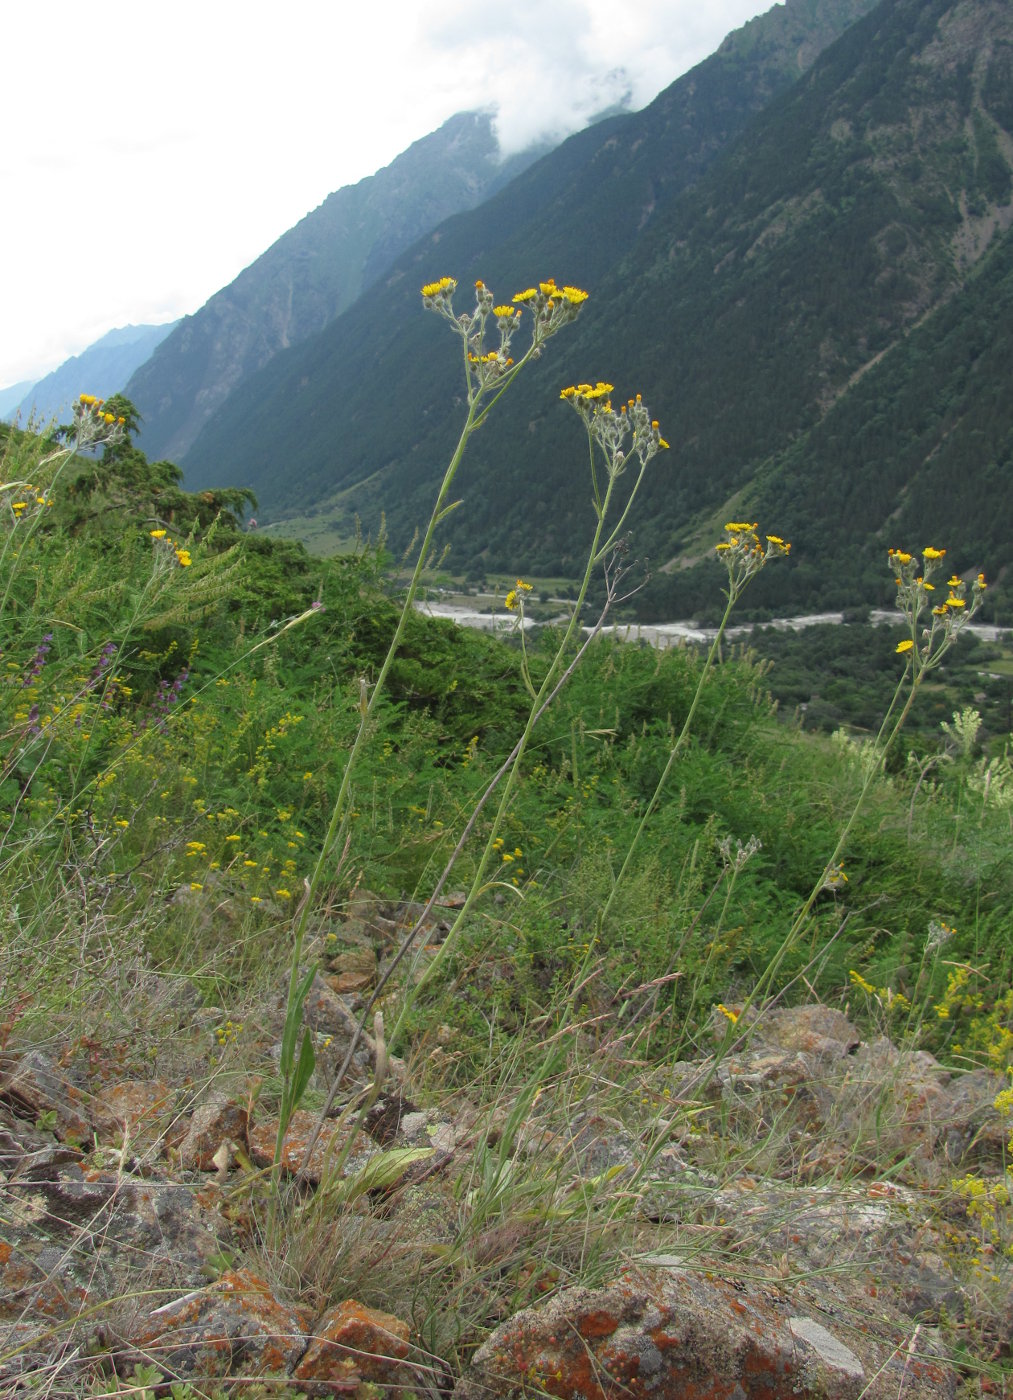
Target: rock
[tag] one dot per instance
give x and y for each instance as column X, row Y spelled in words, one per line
column 35, row 1090
column 76, row 1245
column 263, row 1138
column 971, row 1125
column 235, row 1326
column 385, row 1116
column 217, row 1121
column 670, row 1332
column 352, row 1344
column 817, row 1030
column 133, row 1112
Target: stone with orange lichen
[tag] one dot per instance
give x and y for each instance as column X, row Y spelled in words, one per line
column 212, row 1123
column 234, row 1326
column 671, row 1332
column 263, row 1137
column 133, row 1111
column 354, row 1343
column 34, row 1088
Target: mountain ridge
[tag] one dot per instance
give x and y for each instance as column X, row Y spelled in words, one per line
column 310, row 274
column 102, row 368
column 754, row 299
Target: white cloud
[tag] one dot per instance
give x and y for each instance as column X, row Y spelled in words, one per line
column 161, row 149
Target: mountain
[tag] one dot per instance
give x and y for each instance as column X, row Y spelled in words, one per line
column 783, row 306
column 11, row 397
column 311, row 274
column 575, row 214
column 102, row 369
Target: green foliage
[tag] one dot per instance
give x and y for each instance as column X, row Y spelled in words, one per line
column 189, row 764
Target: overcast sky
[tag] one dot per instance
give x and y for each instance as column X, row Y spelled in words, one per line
column 151, row 151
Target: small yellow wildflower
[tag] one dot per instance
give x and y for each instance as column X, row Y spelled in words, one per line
column 435, row 289
column 906, row 645
column 931, row 553
column 157, row 534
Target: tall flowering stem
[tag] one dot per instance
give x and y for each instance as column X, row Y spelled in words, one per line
column 744, row 555
column 488, row 334
column 934, row 624
column 618, row 440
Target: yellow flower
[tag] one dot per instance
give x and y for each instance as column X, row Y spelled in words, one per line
column 526, row 295
column 510, row 601
column 900, row 556
column 573, row 295
column 284, row 894
column 525, row 587
column 733, row 1016
column 505, row 311
column 157, row 534
column 435, row 289
column 905, row 645
column 931, row 553
column 859, row 981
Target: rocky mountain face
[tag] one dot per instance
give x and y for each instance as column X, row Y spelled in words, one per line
column 102, row 369
column 311, row 274
column 762, row 273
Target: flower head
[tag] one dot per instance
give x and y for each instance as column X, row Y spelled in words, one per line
column 443, row 288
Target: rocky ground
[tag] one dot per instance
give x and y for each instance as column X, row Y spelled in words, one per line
column 791, row 1225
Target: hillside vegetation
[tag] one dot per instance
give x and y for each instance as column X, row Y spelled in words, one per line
column 214, row 767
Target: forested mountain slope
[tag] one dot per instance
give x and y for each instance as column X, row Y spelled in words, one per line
column 785, row 284
column 577, row 211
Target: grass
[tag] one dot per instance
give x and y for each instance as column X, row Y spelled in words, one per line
column 173, row 757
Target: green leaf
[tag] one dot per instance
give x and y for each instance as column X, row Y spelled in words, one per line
column 382, row 1171
column 303, row 1070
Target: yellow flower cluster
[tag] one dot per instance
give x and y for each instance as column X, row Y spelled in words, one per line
column 515, row 598
column 549, row 306
column 629, row 431
column 914, row 587
column 94, row 406
column 445, row 287
column 183, row 558
column 28, row 496
column 745, row 554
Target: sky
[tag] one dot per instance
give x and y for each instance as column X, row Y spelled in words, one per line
column 151, row 151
